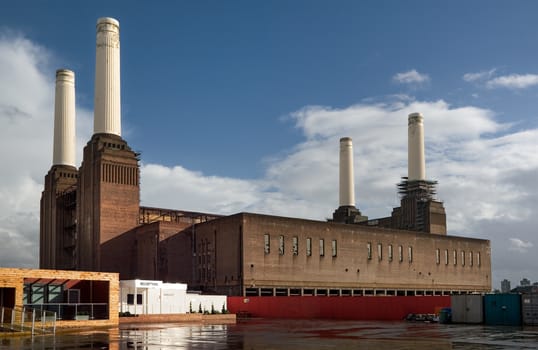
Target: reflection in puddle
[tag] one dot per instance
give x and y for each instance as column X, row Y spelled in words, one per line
column 287, row 334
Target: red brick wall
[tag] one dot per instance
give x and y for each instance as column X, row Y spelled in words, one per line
column 108, row 203
column 54, row 216
column 219, row 253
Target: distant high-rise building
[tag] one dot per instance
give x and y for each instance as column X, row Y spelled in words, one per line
column 505, row 286
column 524, row 282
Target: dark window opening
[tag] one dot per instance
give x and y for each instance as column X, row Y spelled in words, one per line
column 130, row 299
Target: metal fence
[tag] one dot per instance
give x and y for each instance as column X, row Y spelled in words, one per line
column 75, row 311
column 26, row 319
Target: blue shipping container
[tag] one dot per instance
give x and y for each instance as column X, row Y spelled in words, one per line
column 502, row 309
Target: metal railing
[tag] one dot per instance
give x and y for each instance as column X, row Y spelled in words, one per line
column 25, row 319
column 75, row 311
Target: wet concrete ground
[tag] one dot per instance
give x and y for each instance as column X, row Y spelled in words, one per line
column 288, row 334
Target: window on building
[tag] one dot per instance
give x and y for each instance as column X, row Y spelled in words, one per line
column 130, row 299
column 54, row 293
column 334, row 248
column 400, row 253
column 27, row 294
column 321, row 247
column 478, row 258
column 369, row 250
column 455, row 256
column 38, row 294
column 266, row 243
column 281, row 245
column 410, row 253
column 295, row 244
column 462, row 258
column 446, row 256
column 470, row 258
column 379, row 251
column 437, row 256
column 309, row 246
column 390, row 252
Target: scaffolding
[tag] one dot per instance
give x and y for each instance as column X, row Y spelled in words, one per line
column 421, row 190
column 148, row 215
column 416, row 196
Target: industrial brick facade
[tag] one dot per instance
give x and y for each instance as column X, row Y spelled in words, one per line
column 91, row 219
column 58, row 217
column 108, row 197
column 252, row 254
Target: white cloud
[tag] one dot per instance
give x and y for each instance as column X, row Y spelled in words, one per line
column 25, row 106
column 520, row 245
column 513, row 81
column 180, row 188
column 411, row 77
column 479, row 76
column 26, row 119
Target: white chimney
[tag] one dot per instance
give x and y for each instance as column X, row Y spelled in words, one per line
column 415, row 146
column 107, row 104
column 64, row 119
column 347, row 187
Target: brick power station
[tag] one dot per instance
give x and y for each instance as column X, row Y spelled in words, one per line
column 91, row 219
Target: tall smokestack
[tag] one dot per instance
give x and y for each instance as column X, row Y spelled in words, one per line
column 415, row 146
column 64, row 119
column 347, row 187
column 107, row 105
column 347, row 212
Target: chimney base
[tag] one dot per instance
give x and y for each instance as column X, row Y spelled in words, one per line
column 348, row 214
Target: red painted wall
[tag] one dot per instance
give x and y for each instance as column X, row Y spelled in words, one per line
column 343, row 308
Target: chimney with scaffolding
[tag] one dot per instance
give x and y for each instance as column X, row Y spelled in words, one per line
column 419, row 211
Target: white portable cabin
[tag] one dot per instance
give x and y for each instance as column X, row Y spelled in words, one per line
column 141, row 297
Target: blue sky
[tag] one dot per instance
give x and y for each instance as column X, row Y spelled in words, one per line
column 238, row 106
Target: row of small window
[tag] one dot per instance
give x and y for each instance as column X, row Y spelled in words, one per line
column 295, row 245
column 295, row 250
column 470, row 260
column 62, row 174
column 204, row 259
column 206, row 274
column 390, row 252
column 114, row 145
